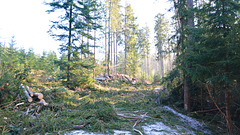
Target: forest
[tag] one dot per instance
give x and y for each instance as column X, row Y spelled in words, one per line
column 189, row 85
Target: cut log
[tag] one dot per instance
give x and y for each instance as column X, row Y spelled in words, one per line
column 43, row 102
column 38, row 95
column 100, row 78
column 26, row 94
column 29, row 91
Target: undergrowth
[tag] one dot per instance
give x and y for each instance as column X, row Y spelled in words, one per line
column 94, row 110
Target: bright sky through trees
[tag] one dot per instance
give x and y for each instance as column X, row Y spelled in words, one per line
column 29, row 23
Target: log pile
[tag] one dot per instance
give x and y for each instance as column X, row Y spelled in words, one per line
column 33, row 96
column 123, row 77
column 105, row 77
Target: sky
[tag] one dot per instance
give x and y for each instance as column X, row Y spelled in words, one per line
column 28, row 22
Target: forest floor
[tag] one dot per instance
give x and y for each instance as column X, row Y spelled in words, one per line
column 114, row 108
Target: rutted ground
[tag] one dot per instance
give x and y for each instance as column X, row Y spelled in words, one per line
column 178, row 124
column 155, row 119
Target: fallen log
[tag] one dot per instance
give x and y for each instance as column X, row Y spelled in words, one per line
column 29, row 98
column 38, row 95
column 80, row 126
column 29, row 91
column 100, row 78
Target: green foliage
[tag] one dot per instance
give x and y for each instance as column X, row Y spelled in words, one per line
column 11, row 74
column 174, row 85
column 143, row 41
column 79, row 21
column 208, row 52
column 131, row 47
column 161, row 30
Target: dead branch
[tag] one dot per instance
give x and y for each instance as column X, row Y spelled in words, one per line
column 80, row 126
column 128, row 117
column 218, row 107
column 16, row 106
column 43, row 102
column 214, row 101
column 29, row 108
column 39, row 108
column 137, row 131
column 204, row 111
column 138, row 121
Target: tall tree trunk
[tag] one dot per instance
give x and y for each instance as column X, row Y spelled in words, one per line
column 169, row 62
column 88, row 45
column 228, row 113
column 0, row 57
column 186, row 78
column 82, row 48
column 162, row 65
column 125, row 35
column 94, row 58
column 109, row 36
column 106, row 47
column 114, row 53
column 201, row 99
column 227, row 96
column 69, row 45
column 147, row 69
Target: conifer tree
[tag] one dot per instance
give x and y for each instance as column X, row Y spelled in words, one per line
column 144, row 46
column 132, row 56
column 161, row 31
column 216, row 50
column 78, row 21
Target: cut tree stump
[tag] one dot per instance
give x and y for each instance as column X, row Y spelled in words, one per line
column 38, row 95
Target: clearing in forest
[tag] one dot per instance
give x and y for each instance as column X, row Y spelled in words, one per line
column 105, row 109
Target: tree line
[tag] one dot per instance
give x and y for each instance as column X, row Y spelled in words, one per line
column 207, row 58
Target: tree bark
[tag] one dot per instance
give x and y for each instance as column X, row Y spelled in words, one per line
column 125, row 35
column 161, row 63
column 109, row 36
column 114, row 53
column 186, row 78
column 29, row 91
column 106, row 47
column 228, row 113
column 29, row 98
column 201, row 99
column 69, row 45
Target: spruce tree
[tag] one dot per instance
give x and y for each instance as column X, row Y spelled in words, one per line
column 131, row 46
column 161, row 37
column 79, row 20
column 144, row 46
column 215, row 56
